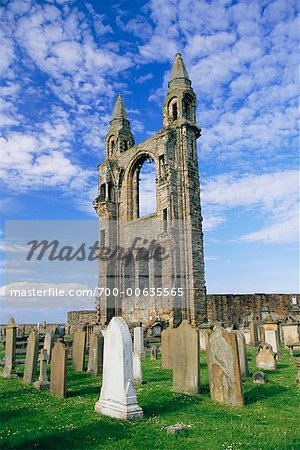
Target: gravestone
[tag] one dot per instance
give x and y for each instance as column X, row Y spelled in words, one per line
column 246, row 332
column 167, row 348
column 254, row 338
column 265, row 357
column 137, row 368
column 58, row 378
column 138, row 341
column 153, row 352
column 225, row 379
column 9, row 370
column 242, row 353
column 204, row 329
column 95, row 362
column 290, row 331
column 118, row 396
column 32, row 351
column 186, row 371
column 259, row 378
column 272, row 338
column 48, row 344
column 42, row 383
column 78, row 350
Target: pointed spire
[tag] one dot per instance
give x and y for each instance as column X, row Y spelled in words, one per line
column 119, row 111
column 179, row 75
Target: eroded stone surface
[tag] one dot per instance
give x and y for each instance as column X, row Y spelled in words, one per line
column 78, row 350
column 9, row 370
column 48, row 344
column 42, row 383
column 95, row 362
column 265, row 357
column 242, row 348
column 118, row 396
column 259, row 377
column 31, row 357
column 223, row 366
column 167, row 348
column 58, row 378
column 186, row 370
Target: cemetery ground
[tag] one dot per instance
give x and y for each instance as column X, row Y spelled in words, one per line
column 270, row 420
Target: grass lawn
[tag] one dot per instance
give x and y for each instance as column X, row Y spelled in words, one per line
column 270, row 420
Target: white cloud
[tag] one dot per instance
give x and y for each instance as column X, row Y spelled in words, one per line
column 275, row 195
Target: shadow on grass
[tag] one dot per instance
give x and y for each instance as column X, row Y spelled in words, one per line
column 94, row 435
column 263, row 391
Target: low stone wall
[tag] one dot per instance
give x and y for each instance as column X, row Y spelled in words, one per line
column 227, row 308
column 237, row 308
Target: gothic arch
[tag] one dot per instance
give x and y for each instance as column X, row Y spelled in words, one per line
column 132, row 181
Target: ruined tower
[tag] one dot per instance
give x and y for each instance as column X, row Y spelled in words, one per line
column 163, row 251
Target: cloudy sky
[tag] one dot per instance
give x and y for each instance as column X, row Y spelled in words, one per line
column 63, row 63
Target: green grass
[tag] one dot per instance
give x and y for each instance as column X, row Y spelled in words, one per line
column 270, row 420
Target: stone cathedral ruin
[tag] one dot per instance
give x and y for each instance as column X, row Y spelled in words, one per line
column 175, row 227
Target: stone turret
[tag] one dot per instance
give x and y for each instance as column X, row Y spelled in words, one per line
column 180, row 103
column 119, row 137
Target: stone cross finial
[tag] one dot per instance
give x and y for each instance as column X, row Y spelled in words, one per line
column 42, row 382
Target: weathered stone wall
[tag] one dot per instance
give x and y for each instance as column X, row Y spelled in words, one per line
column 227, row 308
column 236, row 308
column 79, row 319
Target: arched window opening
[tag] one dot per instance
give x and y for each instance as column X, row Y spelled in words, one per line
column 111, row 145
column 128, row 273
column 146, row 187
column 102, row 192
column 111, row 192
column 157, row 258
column 173, row 109
column 142, row 260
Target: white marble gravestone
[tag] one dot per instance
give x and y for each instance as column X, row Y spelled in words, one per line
column 118, row 396
column 138, row 341
column 137, row 369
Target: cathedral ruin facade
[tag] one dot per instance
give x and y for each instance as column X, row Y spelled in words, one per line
column 154, row 264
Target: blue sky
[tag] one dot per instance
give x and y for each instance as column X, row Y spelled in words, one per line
column 63, row 63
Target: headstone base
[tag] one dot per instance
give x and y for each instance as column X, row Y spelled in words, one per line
column 9, row 375
column 41, row 385
column 118, row 411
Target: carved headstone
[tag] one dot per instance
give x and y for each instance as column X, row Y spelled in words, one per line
column 78, row 350
column 48, row 344
column 31, row 357
column 272, row 337
column 265, row 357
column 186, row 371
column 242, row 353
column 153, row 352
column 259, row 378
column 138, row 341
column 224, row 369
column 42, row 383
column 118, row 396
column 58, row 378
column 95, row 362
column 137, row 368
column 9, row 370
column 290, row 331
column 167, row 348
